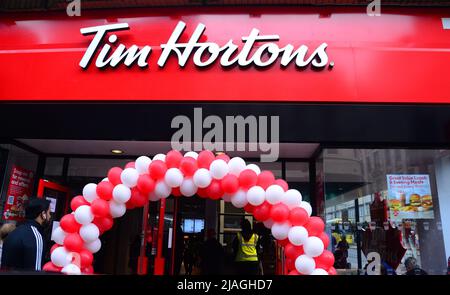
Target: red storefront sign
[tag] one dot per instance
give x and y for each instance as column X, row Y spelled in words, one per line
column 19, row 192
column 402, row 56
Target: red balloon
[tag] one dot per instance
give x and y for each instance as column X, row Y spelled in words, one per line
column 130, row 165
column 325, row 260
column 137, row 199
column 50, row 267
column 114, row 175
column 325, row 239
column 88, row 270
column 130, row 204
column 290, row 264
column 157, row 169
column 54, row 247
column 223, row 157
column 249, row 208
column 69, row 224
column 283, row 242
column 315, row 226
column 279, row 212
column 265, row 179
column 247, row 178
column 103, row 223
column 202, row 193
column 188, row 166
column 298, row 216
column 214, row 190
column 262, row 212
column 145, row 184
column 282, row 183
column 332, row 271
column 292, row 251
column 86, row 258
column 100, row 208
column 104, row 190
column 173, row 159
column 176, row 192
column 205, row 159
column 77, row 202
column 73, row 242
column 230, row 184
column 294, row 272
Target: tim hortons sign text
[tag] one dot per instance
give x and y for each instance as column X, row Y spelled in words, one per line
column 203, row 54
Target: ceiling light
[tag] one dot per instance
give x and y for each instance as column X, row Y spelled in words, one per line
column 116, row 151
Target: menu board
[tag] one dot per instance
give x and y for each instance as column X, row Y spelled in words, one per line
column 409, row 196
column 19, row 191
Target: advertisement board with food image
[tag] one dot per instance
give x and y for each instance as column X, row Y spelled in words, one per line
column 409, row 196
column 19, row 191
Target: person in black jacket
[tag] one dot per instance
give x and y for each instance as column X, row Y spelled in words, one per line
column 24, row 248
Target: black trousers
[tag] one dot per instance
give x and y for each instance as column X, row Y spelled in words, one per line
column 247, row 267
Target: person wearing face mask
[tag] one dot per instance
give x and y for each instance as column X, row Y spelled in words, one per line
column 23, row 249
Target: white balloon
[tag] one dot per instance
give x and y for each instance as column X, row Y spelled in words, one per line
column 94, row 246
column 162, row 190
column 142, row 164
column 129, row 177
column 58, row 235
column 153, row 197
column 191, row 154
column 188, row 188
column 90, row 192
column 71, row 269
column 274, row 194
column 89, row 232
column 161, row 157
column 236, row 165
column 83, row 214
column 173, row 177
column 307, row 207
column 292, row 198
column 117, row 209
column 239, row 199
column 227, row 197
column 319, row 272
column 313, row 246
column 280, row 231
column 256, row 195
column 121, row 193
column 202, row 178
column 305, row 264
column 219, row 168
column 298, row 235
column 254, row 168
column 61, row 257
column 268, row 223
column 105, row 179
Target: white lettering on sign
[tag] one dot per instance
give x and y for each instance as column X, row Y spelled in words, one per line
column 203, row 53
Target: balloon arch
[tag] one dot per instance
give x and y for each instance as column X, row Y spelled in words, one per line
column 216, row 177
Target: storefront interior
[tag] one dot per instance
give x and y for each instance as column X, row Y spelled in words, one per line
column 340, row 169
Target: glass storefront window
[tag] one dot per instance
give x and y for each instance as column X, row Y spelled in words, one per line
column 386, row 203
column 53, row 166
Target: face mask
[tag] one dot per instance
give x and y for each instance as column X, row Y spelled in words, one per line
column 46, row 220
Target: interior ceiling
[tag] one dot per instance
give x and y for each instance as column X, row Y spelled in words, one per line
column 86, row 4
column 137, row 148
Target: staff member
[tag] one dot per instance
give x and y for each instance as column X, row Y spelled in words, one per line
column 245, row 246
column 24, row 248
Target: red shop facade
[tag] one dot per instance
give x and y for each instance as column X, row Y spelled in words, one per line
column 358, row 98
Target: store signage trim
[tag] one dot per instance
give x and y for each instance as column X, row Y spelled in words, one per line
column 204, row 53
